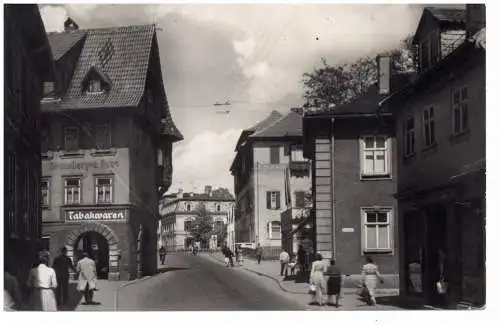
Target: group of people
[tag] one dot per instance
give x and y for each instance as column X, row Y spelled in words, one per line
column 228, row 255
column 327, row 280
column 48, row 286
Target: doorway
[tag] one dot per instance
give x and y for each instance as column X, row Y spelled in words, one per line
column 96, row 246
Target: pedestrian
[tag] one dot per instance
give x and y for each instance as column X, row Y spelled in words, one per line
column 240, row 255
column 42, row 282
column 292, row 264
column 87, row 277
column 317, row 279
column 371, row 276
column 284, row 260
column 61, row 265
column 13, row 299
column 225, row 252
column 162, row 253
column 259, row 253
column 237, row 254
column 334, row 282
column 301, row 261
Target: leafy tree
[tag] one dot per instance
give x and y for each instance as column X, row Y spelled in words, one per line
column 202, row 225
column 331, row 86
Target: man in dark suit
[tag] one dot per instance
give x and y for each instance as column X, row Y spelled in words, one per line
column 62, row 264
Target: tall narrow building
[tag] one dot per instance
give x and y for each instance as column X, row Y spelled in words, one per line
column 107, row 147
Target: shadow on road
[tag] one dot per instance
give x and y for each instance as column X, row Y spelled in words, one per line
column 171, row 269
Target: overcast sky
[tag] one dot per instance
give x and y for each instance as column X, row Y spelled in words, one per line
column 253, row 54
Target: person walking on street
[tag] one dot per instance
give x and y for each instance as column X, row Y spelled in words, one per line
column 334, row 282
column 13, row 299
column 61, row 265
column 87, row 277
column 240, row 255
column 258, row 253
column 42, row 282
column 371, row 276
column 317, row 279
column 162, row 253
column 301, row 261
column 284, row 260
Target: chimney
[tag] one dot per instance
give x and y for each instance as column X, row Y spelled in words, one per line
column 475, row 18
column 208, row 190
column 70, row 24
column 179, row 193
column 384, row 68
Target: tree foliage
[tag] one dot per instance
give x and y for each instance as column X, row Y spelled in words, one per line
column 330, row 86
column 202, row 226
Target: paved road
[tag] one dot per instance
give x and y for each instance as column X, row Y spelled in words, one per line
column 198, row 283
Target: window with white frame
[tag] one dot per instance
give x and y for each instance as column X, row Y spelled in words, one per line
column 375, row 156
column 274, row 230
column 429, row 126
column 188, row 225
column 409, row 132
column 45, row 192
column 273, row 200
column 72, row 191
column 377, row 235
column 71, row 138
column 297, row 154
column 94, row 86
column 104, row 189
column 460, row 110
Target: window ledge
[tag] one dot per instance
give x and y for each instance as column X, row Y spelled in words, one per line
column 46, row 207
column 430, row 149
column 409, row 158
column 104, row 152
column 72, row 154
column 47, row 155
column 376, row 177
column 377, row 251
column 460, row 137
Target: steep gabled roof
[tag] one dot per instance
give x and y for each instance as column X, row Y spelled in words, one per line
column 448, row 14
column 61, row 43
column 269, row 120
column 122, row 54
column 289, row 125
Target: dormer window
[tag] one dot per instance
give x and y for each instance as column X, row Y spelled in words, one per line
column 430, row 50
column 94, row 86
column 96, row 82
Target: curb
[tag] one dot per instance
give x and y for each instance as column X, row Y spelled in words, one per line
column 348, row 291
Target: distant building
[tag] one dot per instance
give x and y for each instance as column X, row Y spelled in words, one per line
column 441, row 131
column 28, row 63
column 107, row 147
column 179, row 211
column 271, row 176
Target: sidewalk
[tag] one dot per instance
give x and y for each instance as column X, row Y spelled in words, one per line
column 349, row 301
column 270, row 269
column 104, row 297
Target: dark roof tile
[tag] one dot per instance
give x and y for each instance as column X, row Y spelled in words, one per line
column 61, row 43
column 289, row 125
column 448, row 14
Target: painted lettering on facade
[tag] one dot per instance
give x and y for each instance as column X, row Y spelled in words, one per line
column 102, row 215
column 76, row 165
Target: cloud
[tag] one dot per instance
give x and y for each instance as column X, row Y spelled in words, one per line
column 205, row 160
column 254, row 54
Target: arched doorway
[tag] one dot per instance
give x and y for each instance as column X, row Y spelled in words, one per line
column 84, row 234
column 96, row 246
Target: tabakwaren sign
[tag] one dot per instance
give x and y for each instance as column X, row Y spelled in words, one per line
column 96, row 215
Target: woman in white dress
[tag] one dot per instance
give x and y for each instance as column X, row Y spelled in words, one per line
column 42, row 283
column 371, row 276
column 317, row 279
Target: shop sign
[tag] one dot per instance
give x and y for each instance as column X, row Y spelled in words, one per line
column 83, row 165
column 96, row 215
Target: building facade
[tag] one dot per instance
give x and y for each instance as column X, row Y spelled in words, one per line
column 441, row 135
column 107, row 148
column 28, row 63
column 179, row 213
column 271, row 176
column 353, row 149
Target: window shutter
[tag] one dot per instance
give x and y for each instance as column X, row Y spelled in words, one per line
column 268, row 200
column 278, row 200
